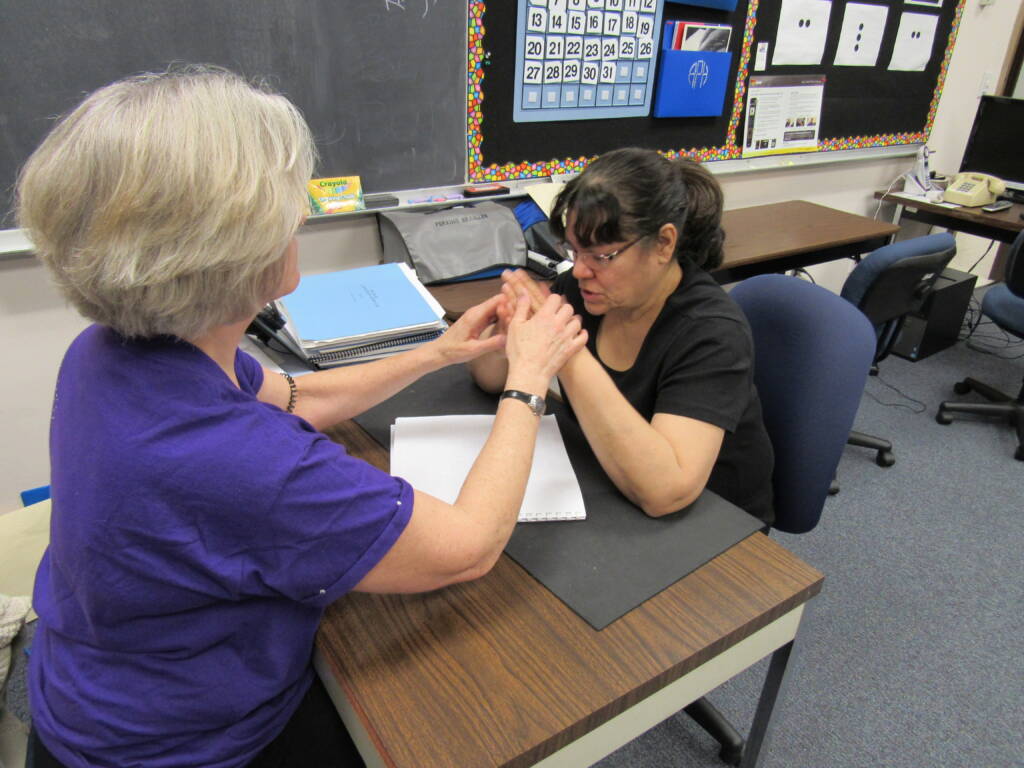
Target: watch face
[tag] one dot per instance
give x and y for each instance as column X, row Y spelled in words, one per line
column 537, row 405
column 535, row 402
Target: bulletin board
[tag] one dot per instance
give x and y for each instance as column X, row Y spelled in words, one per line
column 863, row 106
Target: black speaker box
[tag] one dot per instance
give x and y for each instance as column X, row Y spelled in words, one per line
column 937, row 325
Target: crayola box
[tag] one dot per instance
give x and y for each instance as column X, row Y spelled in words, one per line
column 336, row 194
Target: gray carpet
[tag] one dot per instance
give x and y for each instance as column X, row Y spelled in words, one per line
column 913, row 653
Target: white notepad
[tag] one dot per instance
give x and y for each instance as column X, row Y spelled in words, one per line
column 434, row 454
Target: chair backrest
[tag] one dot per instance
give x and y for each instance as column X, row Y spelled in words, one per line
column 1014, row 274
column 812, row 353
column 894, row 281
column 1003, row 304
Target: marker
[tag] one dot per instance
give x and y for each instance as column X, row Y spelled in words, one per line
column 447, row 197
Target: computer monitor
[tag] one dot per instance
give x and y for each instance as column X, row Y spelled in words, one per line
column 994, row 145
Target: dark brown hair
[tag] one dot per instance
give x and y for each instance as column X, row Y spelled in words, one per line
column 630, row 193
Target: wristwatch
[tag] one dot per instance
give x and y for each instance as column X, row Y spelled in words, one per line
column 536, row 402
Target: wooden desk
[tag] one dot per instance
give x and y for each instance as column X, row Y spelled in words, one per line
column 1003, row 226
column 763, row 238
column 783, row 236
column 499, row 672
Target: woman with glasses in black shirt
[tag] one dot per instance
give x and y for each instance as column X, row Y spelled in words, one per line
column 664, row 389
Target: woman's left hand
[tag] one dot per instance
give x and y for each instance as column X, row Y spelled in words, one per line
column 462, row 342
column 515, row 281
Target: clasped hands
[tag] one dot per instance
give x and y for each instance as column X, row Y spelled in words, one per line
column 537, row 330
column 517, row 286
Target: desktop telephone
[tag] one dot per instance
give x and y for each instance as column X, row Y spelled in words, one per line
column 973, row 189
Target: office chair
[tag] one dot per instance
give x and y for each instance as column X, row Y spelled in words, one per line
column 887, row 285
column 813, row 351
column 1004, row 305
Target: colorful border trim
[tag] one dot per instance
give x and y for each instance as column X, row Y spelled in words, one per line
column 474, row 90
column 734, row 150
column 477, row 171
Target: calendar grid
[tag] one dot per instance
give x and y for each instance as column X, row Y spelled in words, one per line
column 585, row 59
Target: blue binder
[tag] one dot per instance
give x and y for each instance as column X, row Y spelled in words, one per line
column 692, row 83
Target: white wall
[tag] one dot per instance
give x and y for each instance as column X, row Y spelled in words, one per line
column 37, row 327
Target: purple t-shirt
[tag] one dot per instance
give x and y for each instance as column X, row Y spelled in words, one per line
column 197, row 535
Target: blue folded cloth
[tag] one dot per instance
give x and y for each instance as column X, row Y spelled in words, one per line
column 528, row 213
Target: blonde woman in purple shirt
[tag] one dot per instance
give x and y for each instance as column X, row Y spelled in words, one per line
column 201, row 522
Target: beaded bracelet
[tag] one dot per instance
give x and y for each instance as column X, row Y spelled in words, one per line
column 293, row 392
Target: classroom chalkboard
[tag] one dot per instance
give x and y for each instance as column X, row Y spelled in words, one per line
column 381, row 82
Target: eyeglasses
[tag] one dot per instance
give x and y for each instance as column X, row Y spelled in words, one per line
column 597, row 260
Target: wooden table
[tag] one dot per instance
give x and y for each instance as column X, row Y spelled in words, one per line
column 794, row 234
column 499, row 672
column 763, row 238
column 1003, row 226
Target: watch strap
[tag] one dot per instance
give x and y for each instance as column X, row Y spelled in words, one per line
column 535, row 402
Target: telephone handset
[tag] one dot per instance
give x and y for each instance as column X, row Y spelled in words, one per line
column 973, row 189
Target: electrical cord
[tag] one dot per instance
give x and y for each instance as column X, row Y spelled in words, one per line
column 916, row 406
column 975, row 264
column 993, row 343
column 972, row 319
column 887, row 191
column 987, row 342
column 807, row 275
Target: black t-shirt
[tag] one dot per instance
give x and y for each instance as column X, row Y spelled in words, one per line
column 697, row 361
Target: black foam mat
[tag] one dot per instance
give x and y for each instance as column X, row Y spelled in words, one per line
column 617, row 558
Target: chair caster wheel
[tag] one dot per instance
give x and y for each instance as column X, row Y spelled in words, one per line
column 730, row 755
column 833, row 488
column 961, row 387
column 885, row 459
column 1019, row 453
column 943, row 418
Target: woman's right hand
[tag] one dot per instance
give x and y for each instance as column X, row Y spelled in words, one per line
column 540, row 341
column 517, row 281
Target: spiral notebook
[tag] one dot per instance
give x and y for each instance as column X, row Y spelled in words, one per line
column 355, row 315
column 435, row 453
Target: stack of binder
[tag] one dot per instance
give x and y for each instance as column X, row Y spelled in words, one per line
column 358, row 315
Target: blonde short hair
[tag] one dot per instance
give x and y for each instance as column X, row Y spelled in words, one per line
column 163, row 203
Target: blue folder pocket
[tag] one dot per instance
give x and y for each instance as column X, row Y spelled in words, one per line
column 691, row 83
column 722, row 5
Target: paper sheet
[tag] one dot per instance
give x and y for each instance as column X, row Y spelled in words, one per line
column 908, row 197
column 861, row 37
column 914, row 40
column 544, row 195
column 800, row 38
column 783, row 114
column 705, row 37
column 435, row 453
